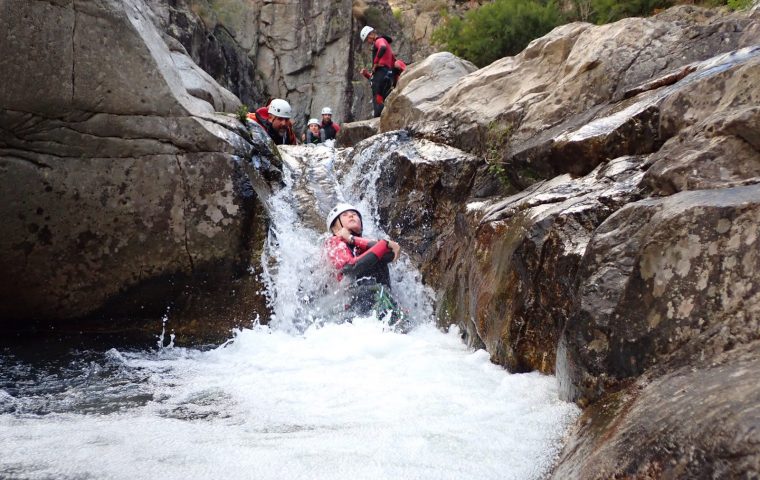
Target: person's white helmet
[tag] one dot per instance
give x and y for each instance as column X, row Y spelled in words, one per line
column 313, row 121
column 365, row 31
column 327, row 111
column 279, row 108
column 337, row 210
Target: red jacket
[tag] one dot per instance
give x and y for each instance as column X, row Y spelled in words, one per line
column 361, row 259
column 261, row 116
column 382, row 55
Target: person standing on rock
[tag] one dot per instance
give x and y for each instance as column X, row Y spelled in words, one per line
column 314, row 134
column 331, row 128
column 364, row 262
column 383, row 61
column 275, row 118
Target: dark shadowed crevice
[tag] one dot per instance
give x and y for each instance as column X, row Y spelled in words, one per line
column 73, row 54
column 348, row 97
column 36, row 163
column 184, row 214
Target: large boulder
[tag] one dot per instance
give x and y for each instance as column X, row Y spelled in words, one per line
column 354, row 132
column 672, row 278
column 419, row 86
column 124, row 194
column 699, row 421
column 510, row 264
column 666, row 341
column 582, row 95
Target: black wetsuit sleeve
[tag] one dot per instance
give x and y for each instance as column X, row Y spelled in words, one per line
column 364, row 264
column 380, row 54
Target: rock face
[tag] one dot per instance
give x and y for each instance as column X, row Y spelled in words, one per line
column 617, row 233
column 420, row 86
column 582, row 95
column 307, row 52
column 124, row 194
column 698, row 421
column 673, row 277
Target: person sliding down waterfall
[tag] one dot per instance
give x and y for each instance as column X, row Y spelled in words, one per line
column 365, row 262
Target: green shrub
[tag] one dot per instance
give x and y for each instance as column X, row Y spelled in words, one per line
column 376, row 19
column 739, row 4
column 607, row 11
column 498, row 29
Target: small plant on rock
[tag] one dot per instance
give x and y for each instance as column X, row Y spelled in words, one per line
column 242, row 113
column 496, row 143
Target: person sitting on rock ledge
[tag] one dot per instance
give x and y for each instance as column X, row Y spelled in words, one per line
column 365, row 262
column 383, row 62
column 314, row 134
column 331, row 128
column 275, row 118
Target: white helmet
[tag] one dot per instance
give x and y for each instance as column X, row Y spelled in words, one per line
column 279, row 108
column 313, row 121
column 365, row 31
column 337, row 210
column 327, row 111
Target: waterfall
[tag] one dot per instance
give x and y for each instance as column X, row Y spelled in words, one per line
column 301, row 285
column 304, row 397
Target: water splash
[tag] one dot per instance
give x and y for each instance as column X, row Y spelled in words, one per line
column 304, row 397
column 302, row 287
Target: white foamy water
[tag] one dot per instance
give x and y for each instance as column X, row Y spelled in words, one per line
column 304, row 399
column 347, row 401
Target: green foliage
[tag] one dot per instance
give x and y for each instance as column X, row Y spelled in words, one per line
column 496, row 143
column 396, row 13
column 607, row 11
column 739, row 4
column 242, row 113
column 376, row 19
column 497, row 29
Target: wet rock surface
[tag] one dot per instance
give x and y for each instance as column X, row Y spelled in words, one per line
column 510, row 266
column 698, row 421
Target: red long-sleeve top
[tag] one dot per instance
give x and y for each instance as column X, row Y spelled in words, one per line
column 382, row 55
column 359, row 259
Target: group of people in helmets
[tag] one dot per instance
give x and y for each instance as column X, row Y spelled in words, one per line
column 276, row 119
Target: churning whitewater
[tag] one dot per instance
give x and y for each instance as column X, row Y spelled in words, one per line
column 302, row 398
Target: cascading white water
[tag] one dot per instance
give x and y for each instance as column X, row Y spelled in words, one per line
column 301, row 399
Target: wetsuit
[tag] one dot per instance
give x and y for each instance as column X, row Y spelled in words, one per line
column 365, row 263
column 382, row 77
column 331, row 129
column 311, row 138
